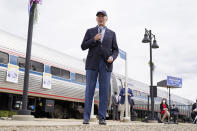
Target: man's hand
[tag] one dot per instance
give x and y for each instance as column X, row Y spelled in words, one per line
column 195, row 110
column 110, row 59
column 98, row 36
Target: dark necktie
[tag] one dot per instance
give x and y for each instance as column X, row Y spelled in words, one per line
column 100, row 29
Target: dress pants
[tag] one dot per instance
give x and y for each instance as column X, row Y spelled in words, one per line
column 104, row 84
column 115, row 112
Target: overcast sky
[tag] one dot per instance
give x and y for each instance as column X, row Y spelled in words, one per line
column 62, row 25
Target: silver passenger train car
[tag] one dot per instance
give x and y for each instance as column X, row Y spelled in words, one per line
column 65, row 98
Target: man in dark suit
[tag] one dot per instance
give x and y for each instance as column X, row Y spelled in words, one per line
column 122, row 101
column 103, row 50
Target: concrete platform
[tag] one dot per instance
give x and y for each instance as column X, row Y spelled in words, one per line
column 23, row 117
column 76, row 125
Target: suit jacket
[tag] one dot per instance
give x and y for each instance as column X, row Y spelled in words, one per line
column 98, row 50
column 174, row 110
column 122, row 99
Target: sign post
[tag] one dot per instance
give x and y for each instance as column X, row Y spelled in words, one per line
column 173, row 82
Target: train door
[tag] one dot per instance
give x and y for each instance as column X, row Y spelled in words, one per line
column 113, row 88
column 119, row 85
column 116, row 84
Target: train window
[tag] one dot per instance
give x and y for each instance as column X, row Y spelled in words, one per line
column 134, row 92
column 36, row 66
column 65, row 74
column 144, row 94
column 21, row 62
column 4, row 58
column 55, row 71
column 80, row 78
column 159, row 99
column 138, row 93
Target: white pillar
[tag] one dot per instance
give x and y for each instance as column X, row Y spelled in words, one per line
column 92, row 116
column 127, row 118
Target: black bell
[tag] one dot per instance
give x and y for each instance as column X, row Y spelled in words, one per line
column 155, row 45
column 146, row 39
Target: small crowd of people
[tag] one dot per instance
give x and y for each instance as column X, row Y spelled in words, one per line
column 167, row 114
column 119, row 106
column 174, row 111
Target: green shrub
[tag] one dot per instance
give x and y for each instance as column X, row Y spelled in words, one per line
column 5, row 113
column 11, row 113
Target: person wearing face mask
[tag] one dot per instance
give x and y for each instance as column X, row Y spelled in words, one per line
column 194, row 112
column 174, row 112
column 164, row 110
column 102, row 51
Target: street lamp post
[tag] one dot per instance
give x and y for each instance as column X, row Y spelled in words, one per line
column 24, row 110
column 148, row 36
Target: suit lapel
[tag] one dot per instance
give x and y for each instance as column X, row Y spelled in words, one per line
column 95, row 31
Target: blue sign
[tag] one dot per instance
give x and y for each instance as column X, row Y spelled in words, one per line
column 122, row 54
column 174, row 82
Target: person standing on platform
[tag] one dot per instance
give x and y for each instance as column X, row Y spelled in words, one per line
column 115, row 104
column 103, row 50
column 122, row 101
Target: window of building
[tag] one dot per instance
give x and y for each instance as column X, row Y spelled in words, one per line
column 4, row 58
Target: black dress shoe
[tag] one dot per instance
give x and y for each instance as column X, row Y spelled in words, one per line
column 102, row 122
column 85, row 122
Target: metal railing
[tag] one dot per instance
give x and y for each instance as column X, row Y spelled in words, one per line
column 184, row 110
